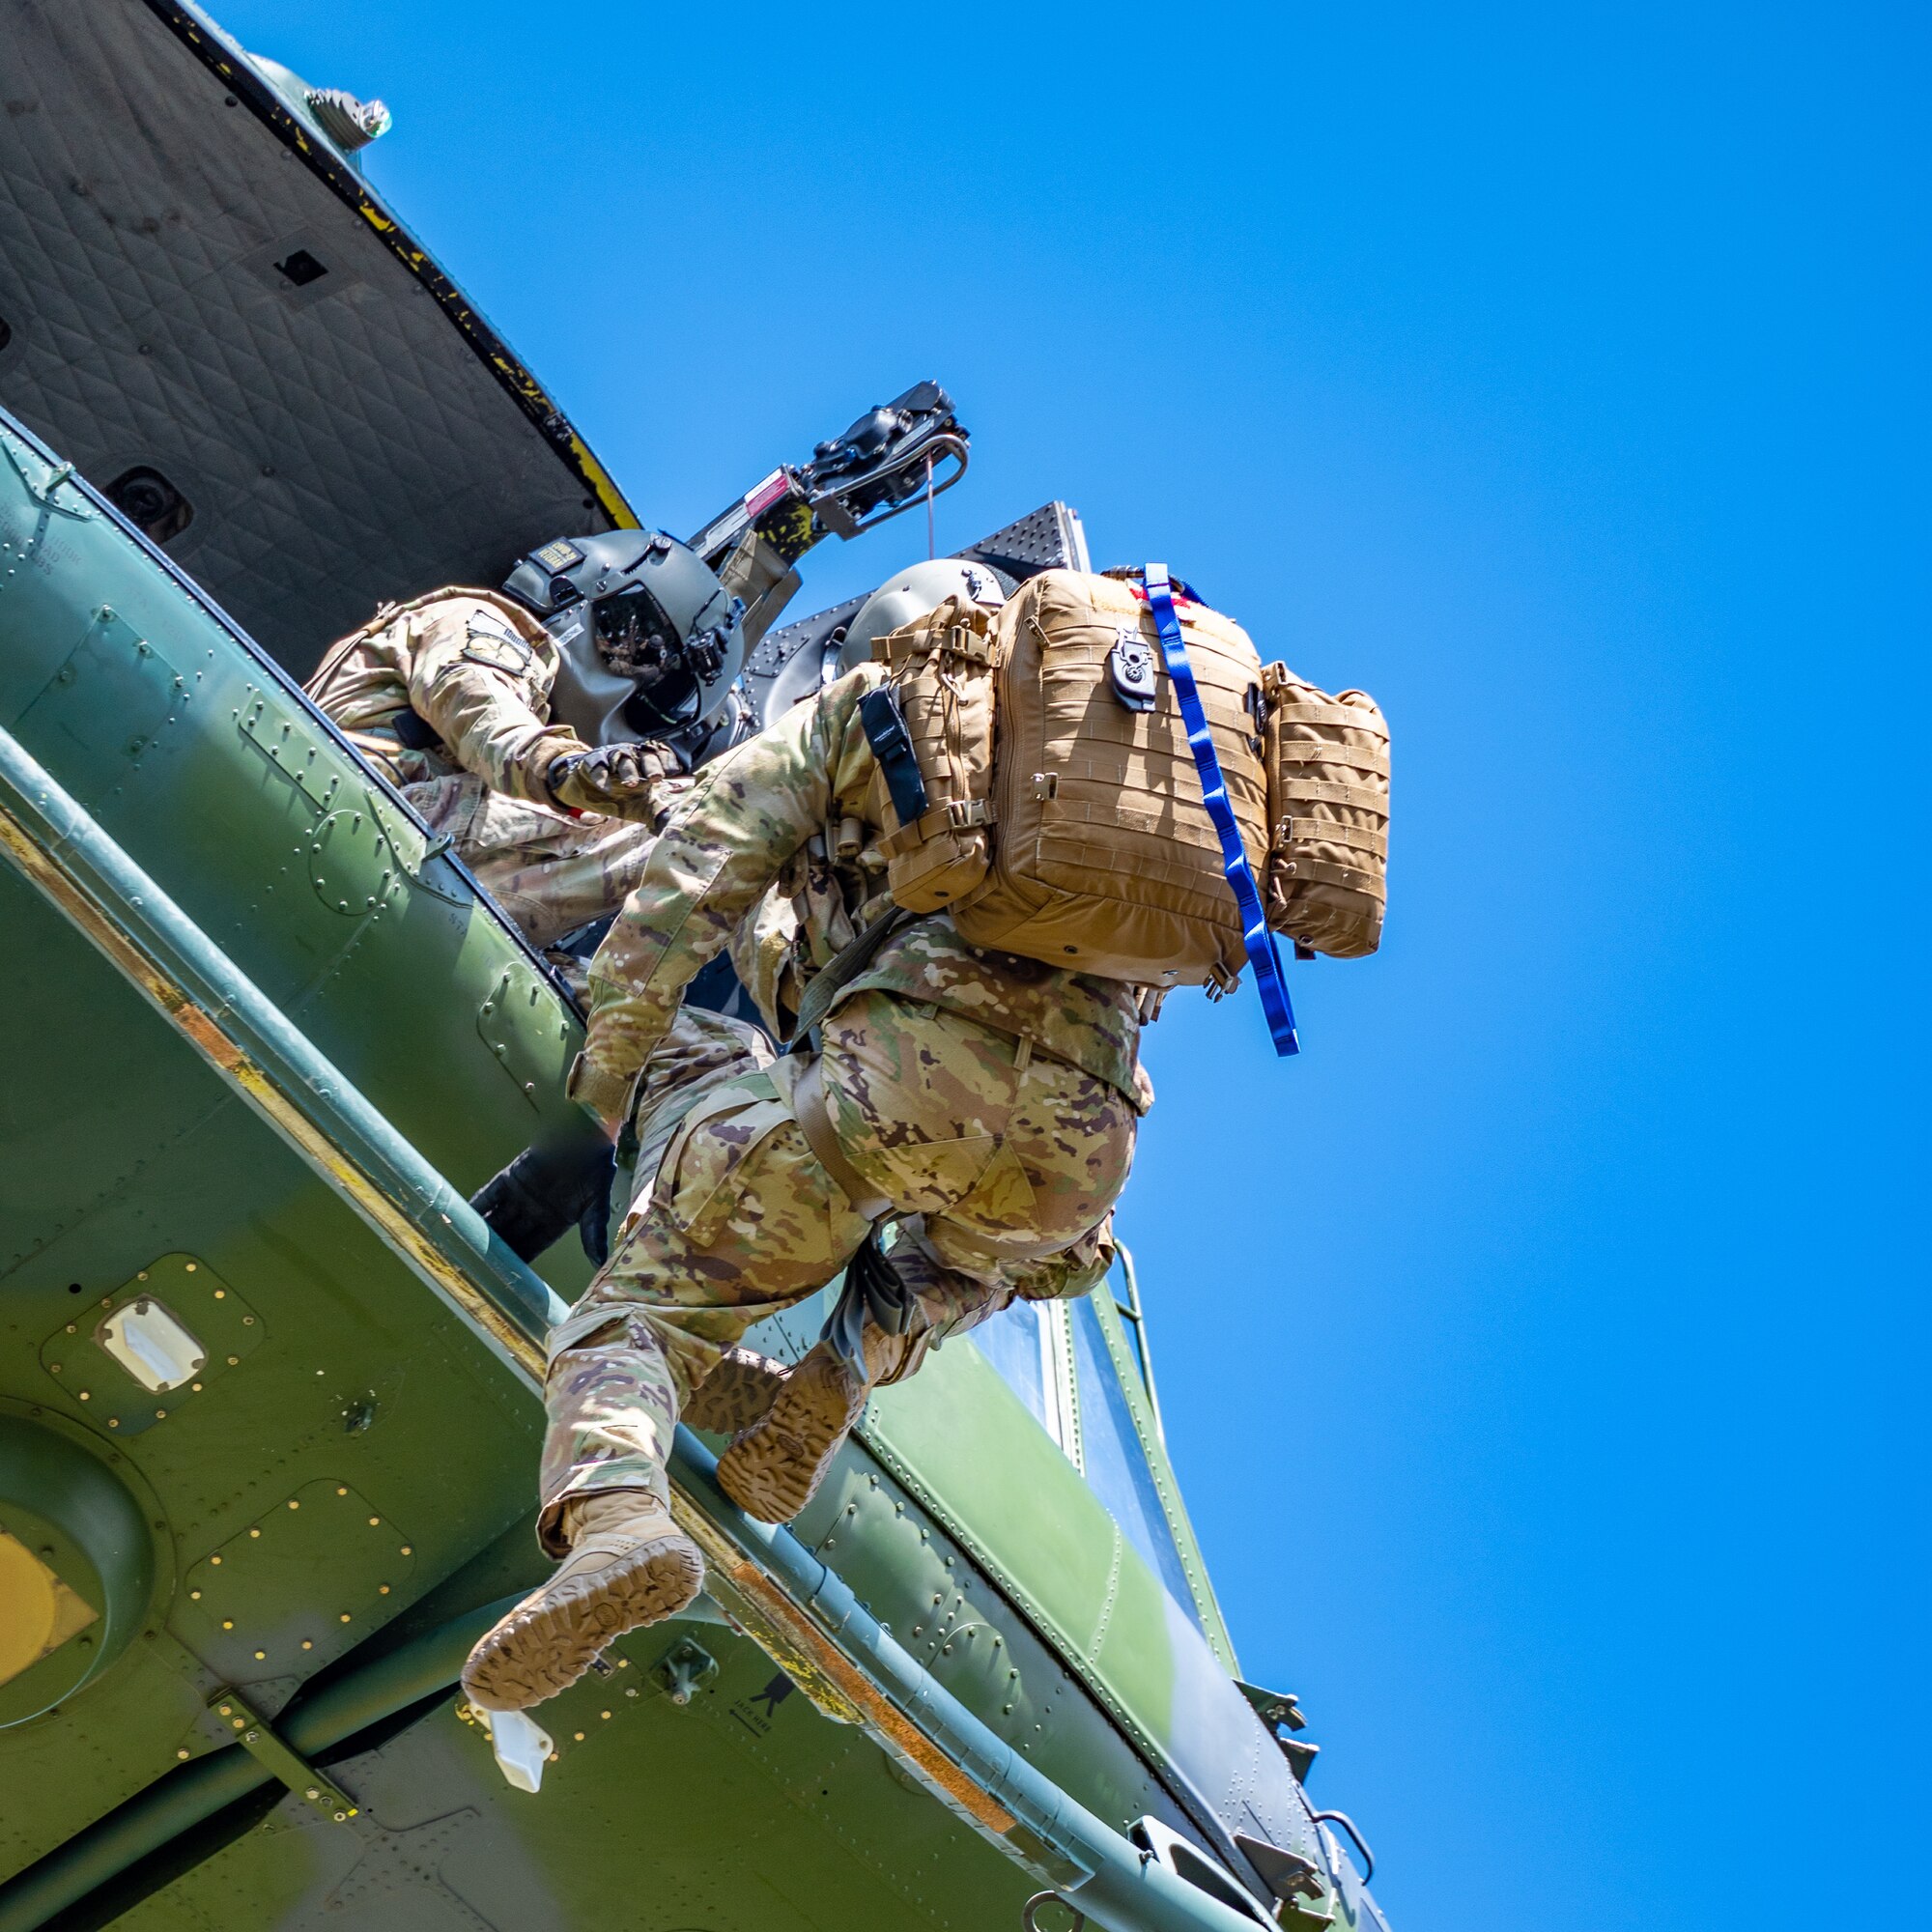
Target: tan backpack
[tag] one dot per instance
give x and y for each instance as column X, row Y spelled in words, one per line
column 1064, row 812
column 1328, row 803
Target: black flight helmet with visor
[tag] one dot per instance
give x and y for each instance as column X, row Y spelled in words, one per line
column 650, row 641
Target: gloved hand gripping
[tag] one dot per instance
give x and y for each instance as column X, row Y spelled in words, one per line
column 626, row 780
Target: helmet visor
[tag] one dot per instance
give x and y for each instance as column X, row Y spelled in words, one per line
column 634, row 635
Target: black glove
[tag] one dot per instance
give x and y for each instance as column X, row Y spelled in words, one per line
column 546, row 1190
column 620, row 781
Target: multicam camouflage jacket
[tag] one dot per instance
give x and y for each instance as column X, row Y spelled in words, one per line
column 774, row 839
column 459, row 680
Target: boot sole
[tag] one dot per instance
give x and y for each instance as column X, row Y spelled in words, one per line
column 737, row 1393
column 774, row 1468
column 546, row 1645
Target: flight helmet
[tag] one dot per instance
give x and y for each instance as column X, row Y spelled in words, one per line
column 910, row 596
column 650, row 641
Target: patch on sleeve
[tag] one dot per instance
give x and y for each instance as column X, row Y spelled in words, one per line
column 488, row 641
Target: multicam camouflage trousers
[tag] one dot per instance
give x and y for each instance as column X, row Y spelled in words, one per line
column 550, row 871
column 1000, row 1168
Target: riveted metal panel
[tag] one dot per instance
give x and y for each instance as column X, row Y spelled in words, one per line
column 90, row 1384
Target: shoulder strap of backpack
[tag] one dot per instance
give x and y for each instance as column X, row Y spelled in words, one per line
column 1254, row 934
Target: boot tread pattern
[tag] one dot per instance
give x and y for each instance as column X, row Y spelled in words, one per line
column 772, row 1469
column 551, row 1639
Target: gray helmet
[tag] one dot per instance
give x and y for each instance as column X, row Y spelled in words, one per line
column 650, row 641
column 908, row 596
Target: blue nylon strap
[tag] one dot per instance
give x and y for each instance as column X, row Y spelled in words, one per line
column 1270, row 981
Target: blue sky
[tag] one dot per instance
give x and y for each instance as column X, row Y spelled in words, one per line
column 1542, row 1351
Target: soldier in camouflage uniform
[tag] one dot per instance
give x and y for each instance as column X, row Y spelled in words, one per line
column 449, row 696
column 467, row 698
column 987, row 1105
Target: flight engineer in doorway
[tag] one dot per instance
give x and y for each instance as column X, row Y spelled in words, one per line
column 529, row 724
column 987, row 1105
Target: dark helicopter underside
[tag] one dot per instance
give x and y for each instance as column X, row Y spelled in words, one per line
column 203, row 306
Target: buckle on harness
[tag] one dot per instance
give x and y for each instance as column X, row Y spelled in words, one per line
column 954, row 815
column 892, row 745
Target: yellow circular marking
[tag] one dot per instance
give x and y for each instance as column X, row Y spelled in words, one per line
column 27, row 1589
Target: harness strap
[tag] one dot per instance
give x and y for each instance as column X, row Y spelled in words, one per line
column 892, row 745
column 954, row 815
column 841, row 969
column 1254, row 934
column 957, row 640
column 802, row 1088
column 873, row 1291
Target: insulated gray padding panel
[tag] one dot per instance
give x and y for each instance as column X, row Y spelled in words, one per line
column 340, row 442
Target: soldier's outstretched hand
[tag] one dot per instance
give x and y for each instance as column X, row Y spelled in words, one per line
column 626, row 780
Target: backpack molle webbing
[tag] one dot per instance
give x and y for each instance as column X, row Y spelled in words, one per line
column 1328, row 807
column 942, row 669
column 1076, row 833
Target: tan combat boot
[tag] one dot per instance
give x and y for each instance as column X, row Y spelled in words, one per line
column 773, row 1468
column 629, row 1565
column 736, row 1393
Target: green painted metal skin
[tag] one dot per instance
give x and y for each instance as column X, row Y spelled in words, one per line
column 324, row 1515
